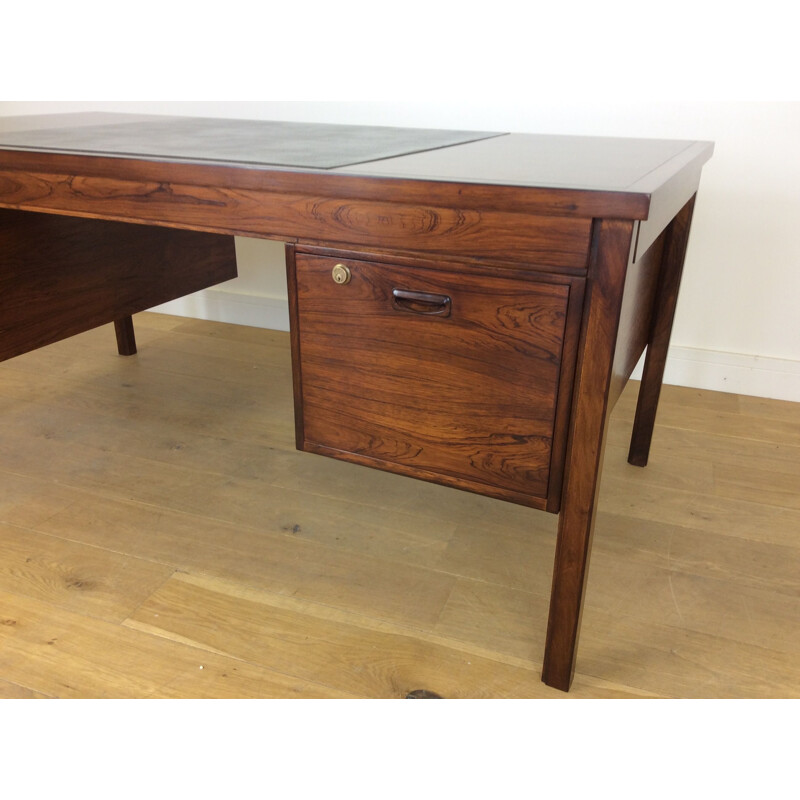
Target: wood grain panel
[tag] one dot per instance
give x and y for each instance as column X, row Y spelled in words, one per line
column 60, row 276
column 636, row 317
column 468, row 400
column 419, row 227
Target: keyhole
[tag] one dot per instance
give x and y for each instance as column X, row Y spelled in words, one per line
column 341, row 274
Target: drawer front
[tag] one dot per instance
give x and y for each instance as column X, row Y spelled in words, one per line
column 440, row 374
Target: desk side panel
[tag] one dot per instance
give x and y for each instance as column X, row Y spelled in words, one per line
column 636, row 316
column 60, row 276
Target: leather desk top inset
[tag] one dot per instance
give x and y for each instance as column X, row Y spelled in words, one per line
column 276, row 144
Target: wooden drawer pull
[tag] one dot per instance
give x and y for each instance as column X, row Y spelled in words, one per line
column 430, row 305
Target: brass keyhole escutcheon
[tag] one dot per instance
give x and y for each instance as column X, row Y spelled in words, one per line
column 341, row 274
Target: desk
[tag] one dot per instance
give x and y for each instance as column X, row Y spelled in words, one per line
column 465, row 307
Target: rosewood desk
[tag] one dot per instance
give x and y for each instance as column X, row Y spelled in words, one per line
column 465, row 307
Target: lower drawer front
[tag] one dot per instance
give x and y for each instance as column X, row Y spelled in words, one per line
column 433, row 373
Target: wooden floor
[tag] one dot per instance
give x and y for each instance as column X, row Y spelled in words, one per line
column 161, row 538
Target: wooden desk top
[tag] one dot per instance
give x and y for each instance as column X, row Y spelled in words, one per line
column 585, row 171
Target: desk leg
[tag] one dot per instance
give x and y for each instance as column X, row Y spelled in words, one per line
column 663, row 316
column 606, row 280
column 126, row 338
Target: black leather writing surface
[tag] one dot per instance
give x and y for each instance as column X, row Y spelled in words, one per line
column 252, row 142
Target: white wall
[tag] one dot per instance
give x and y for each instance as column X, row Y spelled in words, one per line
column 738, row 326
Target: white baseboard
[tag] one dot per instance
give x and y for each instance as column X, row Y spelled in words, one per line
column 686, row 366
column 219, row 305
column 719, row 371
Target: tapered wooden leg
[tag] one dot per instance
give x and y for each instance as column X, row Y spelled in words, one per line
column 612, row 246
column 666, row 301
column 126, row 339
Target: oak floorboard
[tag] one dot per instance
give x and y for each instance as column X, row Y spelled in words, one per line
column 88, row 580
column 674, row 471
column 502, row 619
column 731, row 423
column 743, row 562
column 767, row 408
column 167, row 483
column 26, row 501
column 673, row 661
column 703, row 447
column 362, row 656
column 13, row 691
column 47, row 650
column 269, row 555
column 744, row 519
column 764, row 485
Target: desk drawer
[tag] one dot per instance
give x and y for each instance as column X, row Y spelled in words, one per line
column 457, row 376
